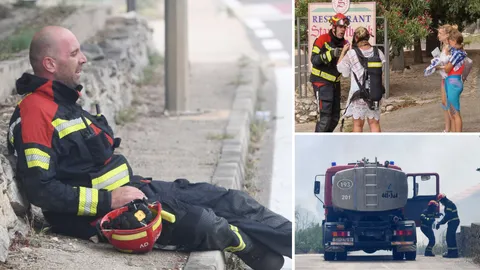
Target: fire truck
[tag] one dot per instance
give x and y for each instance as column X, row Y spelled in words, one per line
column 371, row 206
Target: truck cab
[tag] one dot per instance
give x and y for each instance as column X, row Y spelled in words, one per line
column 371, row 206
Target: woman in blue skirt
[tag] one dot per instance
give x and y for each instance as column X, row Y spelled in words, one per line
column 453, row 82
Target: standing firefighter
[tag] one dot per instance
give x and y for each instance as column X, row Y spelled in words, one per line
column 325, row 77
column 451, row 217
column 427, row 219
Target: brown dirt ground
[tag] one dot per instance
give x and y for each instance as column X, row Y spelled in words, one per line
column 417, row 100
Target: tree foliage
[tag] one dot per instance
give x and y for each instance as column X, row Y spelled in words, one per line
column 407, row 20
column 309, row 240
column 456, row 12
column 308, row 233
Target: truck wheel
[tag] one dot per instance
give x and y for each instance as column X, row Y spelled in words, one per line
column 410, row 256
column 329, row 256
column 397, row 256
column 342, row 256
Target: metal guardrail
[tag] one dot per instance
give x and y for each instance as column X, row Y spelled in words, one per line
column 302, row 63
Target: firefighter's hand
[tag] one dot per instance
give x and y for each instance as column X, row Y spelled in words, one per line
column 124, row 195
column 437, row 226
column 347, row 47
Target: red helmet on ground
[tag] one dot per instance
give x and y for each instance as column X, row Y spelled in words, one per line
column 339, row 20
column 135, row 227
column 433, row 202
column 441, row 196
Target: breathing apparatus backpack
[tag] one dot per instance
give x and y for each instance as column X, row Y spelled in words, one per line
column 371, row 88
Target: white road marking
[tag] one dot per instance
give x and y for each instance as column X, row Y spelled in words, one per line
column 264, row 33
column 279, row 55
column 272, row 44
column 254, row 23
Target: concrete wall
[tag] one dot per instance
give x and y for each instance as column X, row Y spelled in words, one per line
column 117, row 56
column 468, row 241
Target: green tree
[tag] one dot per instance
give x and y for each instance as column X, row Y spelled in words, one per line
column 456, row 12
column 408, row 21
column 308, row 233
column 309, row 239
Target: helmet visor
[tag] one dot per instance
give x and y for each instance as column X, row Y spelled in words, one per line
column 343, row 22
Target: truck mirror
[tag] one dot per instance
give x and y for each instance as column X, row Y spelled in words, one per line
column 316, row 190
column 425, row 177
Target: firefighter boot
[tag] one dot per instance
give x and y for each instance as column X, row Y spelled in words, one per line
column 254, row 254
column 451, row 254
column 429, row 254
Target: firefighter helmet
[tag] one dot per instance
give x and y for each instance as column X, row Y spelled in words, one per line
column 339, row 20
column 441, row 196
column 133, row 228
column 433, row 202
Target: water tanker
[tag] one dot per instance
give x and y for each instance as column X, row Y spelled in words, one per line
column 371, row 206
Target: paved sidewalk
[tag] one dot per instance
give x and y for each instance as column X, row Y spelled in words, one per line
column 189, row 146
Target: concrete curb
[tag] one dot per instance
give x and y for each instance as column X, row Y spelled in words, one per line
column 230, row 170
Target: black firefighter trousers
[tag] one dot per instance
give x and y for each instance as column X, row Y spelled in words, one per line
column 428, row 232
column 204, row 213
column 329, row 96
column 452, row 237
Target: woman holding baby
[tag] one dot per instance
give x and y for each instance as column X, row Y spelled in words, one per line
column 452, row 64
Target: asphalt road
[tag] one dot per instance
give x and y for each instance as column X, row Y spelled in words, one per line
column 269, row 28
column 316, row 261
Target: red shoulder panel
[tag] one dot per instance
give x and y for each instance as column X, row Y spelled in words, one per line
column 37, row 112
column 321, row 40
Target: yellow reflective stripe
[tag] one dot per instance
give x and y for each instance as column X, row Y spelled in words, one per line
column 65, row 127
column 327, row 46
column 112, row 179
column 316, row 49
column 168, row 216
column 87, row 201
column 37, row 158
column 452, row 248
column 329, row 56
column 125, row 250
column 374, row 64
column 159, row 221
column 11, row 128
column 129, row 237
column 240, row 246
column 453, row 219
column 324, row 75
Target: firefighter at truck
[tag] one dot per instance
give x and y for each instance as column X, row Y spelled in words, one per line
column 325, row 77
column 453, row 221
column 427, row 218
column 67, row 166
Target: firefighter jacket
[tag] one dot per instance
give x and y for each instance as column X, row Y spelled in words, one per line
column 428, row 217
column 451, row 213
column 65, row 159
column 324, row 64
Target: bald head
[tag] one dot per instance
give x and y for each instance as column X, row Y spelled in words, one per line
column 55, row 55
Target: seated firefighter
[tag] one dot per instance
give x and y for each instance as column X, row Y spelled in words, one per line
column 67, row 167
